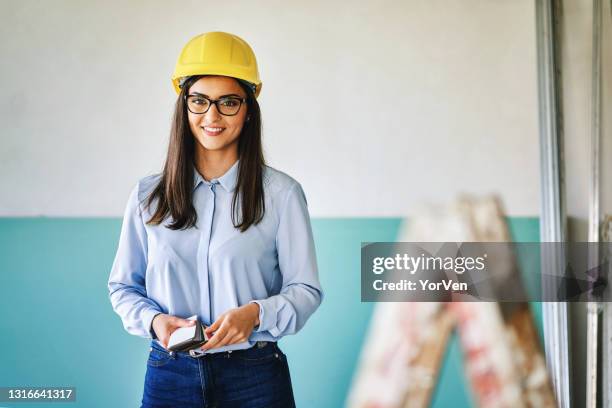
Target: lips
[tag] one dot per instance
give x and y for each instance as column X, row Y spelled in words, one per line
column 212, row 130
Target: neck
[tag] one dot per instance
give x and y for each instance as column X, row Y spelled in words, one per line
column 214, row 164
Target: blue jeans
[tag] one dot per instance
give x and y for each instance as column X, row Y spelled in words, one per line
column 251, row 378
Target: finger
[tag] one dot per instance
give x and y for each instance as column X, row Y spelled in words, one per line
column 223, row 341
column 238, row 338
column 215, row 325
column 229, row 339
column 215, row 340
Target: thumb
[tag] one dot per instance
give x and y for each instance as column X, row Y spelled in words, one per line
column 164, row 342
column 184, row 322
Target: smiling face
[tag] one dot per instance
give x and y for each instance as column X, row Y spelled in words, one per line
column 214, row 131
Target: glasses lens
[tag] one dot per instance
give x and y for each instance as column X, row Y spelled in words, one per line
column 229, row 106
column 197, row 104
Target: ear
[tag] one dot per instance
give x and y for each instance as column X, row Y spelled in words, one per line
column 248, row 118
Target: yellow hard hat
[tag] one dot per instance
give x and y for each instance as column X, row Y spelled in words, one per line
column 217, row 53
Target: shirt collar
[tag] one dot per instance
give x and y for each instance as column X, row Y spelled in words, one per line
column 228, row 181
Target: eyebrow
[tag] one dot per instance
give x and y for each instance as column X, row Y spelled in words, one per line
column 222, row 96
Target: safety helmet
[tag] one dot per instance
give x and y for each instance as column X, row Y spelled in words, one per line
column 217, row 53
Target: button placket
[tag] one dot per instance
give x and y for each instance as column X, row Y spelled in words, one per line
column 211, row 217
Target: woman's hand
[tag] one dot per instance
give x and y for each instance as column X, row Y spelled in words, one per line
column 164, row 325
column 233, row 326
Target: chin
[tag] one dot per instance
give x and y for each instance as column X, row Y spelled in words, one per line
column 209, row 144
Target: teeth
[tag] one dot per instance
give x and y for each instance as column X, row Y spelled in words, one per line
column 211, row 129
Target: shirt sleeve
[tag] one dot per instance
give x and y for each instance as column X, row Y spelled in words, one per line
column 126, row 283
column 301, row 293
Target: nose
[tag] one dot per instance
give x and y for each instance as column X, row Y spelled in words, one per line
column 212, row 115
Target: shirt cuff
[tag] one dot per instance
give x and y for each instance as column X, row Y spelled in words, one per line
column 147, row 321
column 266, row 317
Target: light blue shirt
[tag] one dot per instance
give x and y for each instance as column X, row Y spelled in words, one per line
column 208, row 270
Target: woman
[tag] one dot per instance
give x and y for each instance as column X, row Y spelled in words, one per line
column 220, row 235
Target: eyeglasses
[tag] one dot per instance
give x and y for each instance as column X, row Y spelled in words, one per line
column 227, row 106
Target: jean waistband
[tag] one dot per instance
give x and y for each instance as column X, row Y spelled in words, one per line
column 196, row 353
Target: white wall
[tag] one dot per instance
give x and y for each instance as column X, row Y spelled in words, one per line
column 375, row 107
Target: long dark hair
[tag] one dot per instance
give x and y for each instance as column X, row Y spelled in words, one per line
column 174, row 191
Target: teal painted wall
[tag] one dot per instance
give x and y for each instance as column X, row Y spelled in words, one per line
column 57, row 327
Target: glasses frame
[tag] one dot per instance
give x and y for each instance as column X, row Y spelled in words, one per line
column 215, row 102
